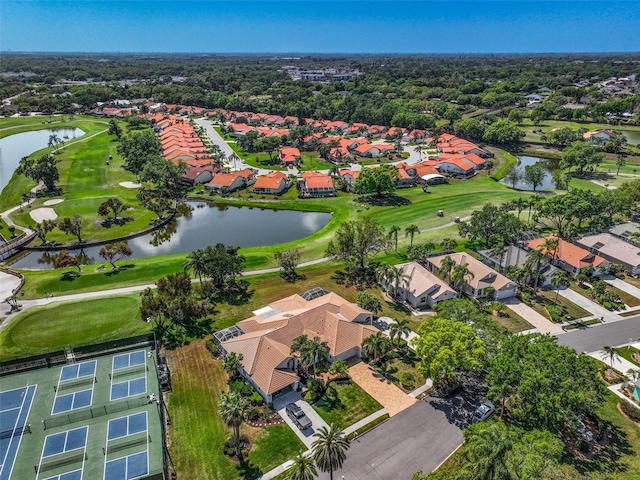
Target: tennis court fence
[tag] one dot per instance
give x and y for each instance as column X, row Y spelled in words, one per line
column 15, row 432
column 84, row 415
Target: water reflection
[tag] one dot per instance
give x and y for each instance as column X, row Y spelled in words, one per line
column 196, row 227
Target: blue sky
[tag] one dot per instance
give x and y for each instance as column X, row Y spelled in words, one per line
column 319, row 27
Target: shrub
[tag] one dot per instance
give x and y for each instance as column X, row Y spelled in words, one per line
column 236, row 385
column 555, row 311
column 256, row 398
column 630, row 410
column 253, row 414
column 526, row 298
column 212, row 347
column 583, row 446
column 406, row 379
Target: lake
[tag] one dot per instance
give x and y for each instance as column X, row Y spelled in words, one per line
column 633, row 136
column 14, row 147
column 524, row 161
column 199, row 225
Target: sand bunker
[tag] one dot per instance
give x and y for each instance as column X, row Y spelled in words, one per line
column 40, row 214
column 55, row 201
column 129, row 185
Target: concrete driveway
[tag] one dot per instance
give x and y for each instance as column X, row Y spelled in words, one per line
column 622, row 285
column 294, row 397
column 590, row 306
column 420, row 437
column 530, row 315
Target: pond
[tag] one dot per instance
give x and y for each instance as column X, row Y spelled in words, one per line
column 14, row 147
column 633, row 136
column 524, row 161
column 198, row 225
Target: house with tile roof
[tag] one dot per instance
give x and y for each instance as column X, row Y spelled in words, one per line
column 289, row 155
column 274, row 183
column 419, row 287
column 376, row 150
column 614, row 249
column 196, row 175
column 265, row 339
column 316, row 184
column 455, row 166
column 483, row 276
column 569, row 257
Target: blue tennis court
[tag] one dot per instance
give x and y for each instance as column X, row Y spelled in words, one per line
column 75, row 475
column 127, row 468
column 129, row 360
column 78, row 370
column 65, row 441
column 128, row 388
column 72, row 401
column 14, row 410
column 129, row 425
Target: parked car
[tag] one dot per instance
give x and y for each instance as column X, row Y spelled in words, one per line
column 484, row 411
column 297, row 416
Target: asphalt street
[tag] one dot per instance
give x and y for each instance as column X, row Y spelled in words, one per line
column 596, row 337
column 418, row 438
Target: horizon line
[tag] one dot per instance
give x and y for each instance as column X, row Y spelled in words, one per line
column 117, row 52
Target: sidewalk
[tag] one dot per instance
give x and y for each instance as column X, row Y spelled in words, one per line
column 619, row 363
column 590, row 306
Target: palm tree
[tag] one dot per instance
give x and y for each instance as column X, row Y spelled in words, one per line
column 633, row 374
column 533, row 262
column 393, row 234
column 446, row 265
column 410, row 231
column 550, row 246
column 376, row 346
column 196, row 261
column 399, row 329
column 486, row 449
column 560, row 278
column 232, row 363
column 610, row 353
column 620, row 161
column 314, row 352
column 303, row 468
column 233, row 406
column 329, row 449
column 334, row 170
column 459, row 274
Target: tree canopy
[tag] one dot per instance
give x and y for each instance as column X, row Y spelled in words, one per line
column 42, row 169
column 356, row 241
column 380, row 180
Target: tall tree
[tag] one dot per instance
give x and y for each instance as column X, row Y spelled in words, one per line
column 356, row 241
column 43, row 169
column 399, row 329
column 369, row 302
column 486, row 449
column 72, row 226
column 489, row 224
column 303, row 468
column 380, row 180
column 41, row 229
column 233, row 407
column 375, row 346
column 448, row 244
column 446, row 267
column 112, row 252
column 313, row 353
column 111, row 206
column 232, row 363
column 223, row 264
column 583, row 154
column 329, row 449
column 560, row 278
column 513, row 175
column 196, row 261
column 393, row 235
column 64, row 259
column 445, row 347
column 288, row 260
column 534, row 175
column 410, row 231
column 611, row 354
column 460, row 274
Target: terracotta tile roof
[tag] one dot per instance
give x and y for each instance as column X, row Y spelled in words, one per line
column 569, row 253
column 319, row 181
column 245, row 173
column 272, row 181
column 289, row 154
column 224, row 179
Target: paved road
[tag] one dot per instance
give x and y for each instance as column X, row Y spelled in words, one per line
column 598, row 336
column 418, row 438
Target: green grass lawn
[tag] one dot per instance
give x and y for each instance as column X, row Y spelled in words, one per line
column 50, row 328
column 568, row 306
column 399, row 366
column 197, row 433
column 627, row 352
column 629, row 300
column 350, row 404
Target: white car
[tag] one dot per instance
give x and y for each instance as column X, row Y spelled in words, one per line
column 484, row 411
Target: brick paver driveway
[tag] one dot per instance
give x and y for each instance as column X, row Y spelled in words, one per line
column 385, row 392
